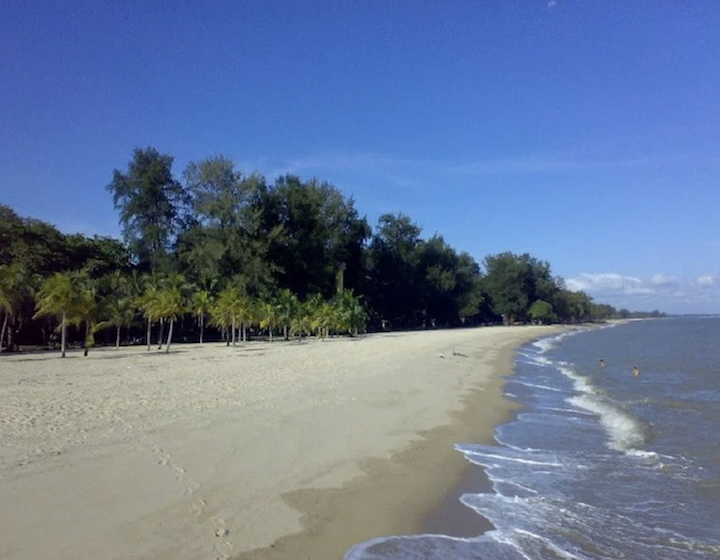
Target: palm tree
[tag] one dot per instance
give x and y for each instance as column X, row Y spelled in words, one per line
column 147, row 303
column 227, row 310
column 351, row 315
column 200, row 305
column 13, row 287
column 287, row 308
column 6, row 309
column 221, row 317
column 85, row 308
column 57, row 296
column 173, row 280
column 121, row 313
column 323, row 318
column 6, row 295
column 268, row 317
column 170, row 304
column 301, row 322
column 246, row 314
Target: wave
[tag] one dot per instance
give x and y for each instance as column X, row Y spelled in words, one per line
column 568, row 410
column 483, row 459
column 626, row 433
column 536, row 386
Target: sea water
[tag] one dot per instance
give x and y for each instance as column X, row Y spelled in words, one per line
column 600, row 463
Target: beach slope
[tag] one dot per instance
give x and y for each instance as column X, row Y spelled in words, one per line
column 299, row 450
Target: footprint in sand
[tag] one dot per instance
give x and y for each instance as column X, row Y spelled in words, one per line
column 223, row 548
column 220, row 530
column 198, row 506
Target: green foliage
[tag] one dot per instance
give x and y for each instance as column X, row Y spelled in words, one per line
column 394, row 256
column 60, row 296
column 41, row 250
column 231, row 307
column 226, row 239
column 312, row 229
column 152, row 205
column 350, row 316
column 120, row 312
column 508, row 281
column 57, row 295
column 541, row 312
column 201, row 304
column 13, row 291
column 287, row 305
column 293, row 257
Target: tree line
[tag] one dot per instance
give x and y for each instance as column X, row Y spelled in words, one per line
column 229, row 253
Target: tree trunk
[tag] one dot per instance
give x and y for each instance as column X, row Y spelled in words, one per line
column 233, row 331
column 285, row 332
column 202, row 326
column 86, row 348
column 2, row 332
column 62, row 336
column 117, row 338
column 169, row 338
column 244, row 333
column 162, row 324
column 271, row 330
column 148, row 333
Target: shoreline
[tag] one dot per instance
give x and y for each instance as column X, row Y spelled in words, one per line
column 264, row 450
column 416, row 490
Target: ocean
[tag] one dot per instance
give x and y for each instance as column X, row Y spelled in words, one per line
column 600, row 463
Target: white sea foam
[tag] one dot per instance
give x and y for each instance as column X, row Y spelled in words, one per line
column 580, row 383
column 482, row 459
column 537, row 386
column 648, row 455
column 568, row 410
column 624, row 431
column 538, row 360
column 544, row 344
column 497, row 480
column 503, row 443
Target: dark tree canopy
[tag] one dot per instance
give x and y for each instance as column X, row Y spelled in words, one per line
column 299, row 250
column 152, row 205
column 393, row 256
column 226, row 239
column 318, row 232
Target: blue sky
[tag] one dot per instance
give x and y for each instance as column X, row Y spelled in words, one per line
column 584, row 132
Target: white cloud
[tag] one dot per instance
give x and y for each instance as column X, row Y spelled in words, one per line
column 707, row 280
column 609, row 283
column 552, row 4
column 660, row 279
column 659, row 291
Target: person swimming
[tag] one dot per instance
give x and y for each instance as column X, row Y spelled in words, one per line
column 602, row 363
column 635, row 371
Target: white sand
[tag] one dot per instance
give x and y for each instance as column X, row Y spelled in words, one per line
column 129, row 454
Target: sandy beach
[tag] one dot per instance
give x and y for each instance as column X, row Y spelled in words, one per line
column 279, row 450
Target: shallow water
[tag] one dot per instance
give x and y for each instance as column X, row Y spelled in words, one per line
column 600, row 464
